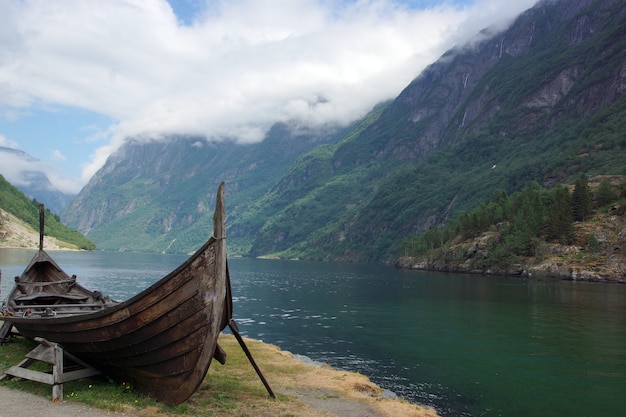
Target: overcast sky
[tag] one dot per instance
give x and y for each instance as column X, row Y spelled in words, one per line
column 78, row 77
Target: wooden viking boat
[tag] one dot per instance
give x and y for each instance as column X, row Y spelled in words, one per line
column 161, row 341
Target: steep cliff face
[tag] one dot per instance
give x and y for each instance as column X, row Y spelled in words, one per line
column 530, row 68
column 542, row 100
column 157, row 195
column 136, row 175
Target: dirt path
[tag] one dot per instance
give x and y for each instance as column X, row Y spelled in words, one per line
column 15, row 403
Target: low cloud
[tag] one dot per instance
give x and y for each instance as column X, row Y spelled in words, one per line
column 57, row 155
column 241, row 66
column 18, row 169
column 7, row 143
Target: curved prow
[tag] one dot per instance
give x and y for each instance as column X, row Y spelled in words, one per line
column 219, row 232
column 41, row 225
column 219, row 217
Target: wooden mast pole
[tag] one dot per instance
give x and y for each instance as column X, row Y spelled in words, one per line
column 219, row 232
column 41, row 225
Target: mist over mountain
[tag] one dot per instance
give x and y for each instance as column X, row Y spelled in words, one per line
column 541, row 101
column 30, row 176
column 158, row 195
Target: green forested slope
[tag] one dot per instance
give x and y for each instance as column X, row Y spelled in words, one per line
column 566, row 232
column 542, row 101
column 548, row 115
column 15, row 202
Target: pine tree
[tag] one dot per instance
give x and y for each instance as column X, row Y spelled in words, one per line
column 581, row 199
column 560, row 222
column 605, row 194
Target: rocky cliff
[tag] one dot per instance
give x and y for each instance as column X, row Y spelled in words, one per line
column 532, row 103
column 597, row 251
column 158, row 194
column 542, row 100
column 605, row 263
column 541, row 70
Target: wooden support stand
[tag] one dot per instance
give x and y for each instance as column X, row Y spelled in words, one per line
column 54, row 355
column 5, row 331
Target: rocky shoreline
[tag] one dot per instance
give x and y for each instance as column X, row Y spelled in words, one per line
column 553, row 269
column 602, row 260
column 565, row 262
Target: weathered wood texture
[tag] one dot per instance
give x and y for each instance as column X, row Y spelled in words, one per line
column 52, row 354
column 163, row 339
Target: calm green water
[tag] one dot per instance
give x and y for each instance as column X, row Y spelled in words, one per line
column 467, row 345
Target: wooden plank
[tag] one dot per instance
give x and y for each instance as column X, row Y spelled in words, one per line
column 72, row 305
column 30, row 375
column 77, row 374
column 5, row 330
column 57, row 374
column 51, row 295
column 57, row 393
column 43, row 354
column 47, row 283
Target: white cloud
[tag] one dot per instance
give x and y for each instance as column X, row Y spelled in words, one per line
column 18, row 169
column 57, row 155
column 237, row 69
column 7, row 143
column 63, row 182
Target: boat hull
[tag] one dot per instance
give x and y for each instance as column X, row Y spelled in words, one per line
column 162, row 340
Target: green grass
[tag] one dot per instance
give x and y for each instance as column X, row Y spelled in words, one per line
column 219, row 395
column 99, row 391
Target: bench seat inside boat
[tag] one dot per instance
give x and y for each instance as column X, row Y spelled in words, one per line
column 47, row 296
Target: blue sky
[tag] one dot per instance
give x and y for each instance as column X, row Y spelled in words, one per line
column 77, row 78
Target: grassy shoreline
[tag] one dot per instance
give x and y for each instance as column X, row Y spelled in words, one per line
column 234, row 389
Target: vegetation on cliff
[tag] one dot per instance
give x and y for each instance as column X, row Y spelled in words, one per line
column 572, row 232
column 541, row 101
column 16, row 203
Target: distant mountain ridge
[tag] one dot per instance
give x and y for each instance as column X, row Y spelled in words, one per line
column 157, row 195
column 542, row 101
column 31, row 179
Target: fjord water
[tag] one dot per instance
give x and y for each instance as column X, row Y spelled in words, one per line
column 467, row 345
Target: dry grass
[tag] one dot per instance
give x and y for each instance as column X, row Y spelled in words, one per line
column 304, row 390
column 234, row 390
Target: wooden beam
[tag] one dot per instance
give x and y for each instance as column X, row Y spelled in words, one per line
column 53, row 354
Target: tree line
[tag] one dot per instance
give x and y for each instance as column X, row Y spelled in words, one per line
column 522, row 220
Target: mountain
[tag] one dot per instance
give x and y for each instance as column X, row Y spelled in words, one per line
column 19, row 224
column 26, row 173
column 541, row 101
column 158, row 195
